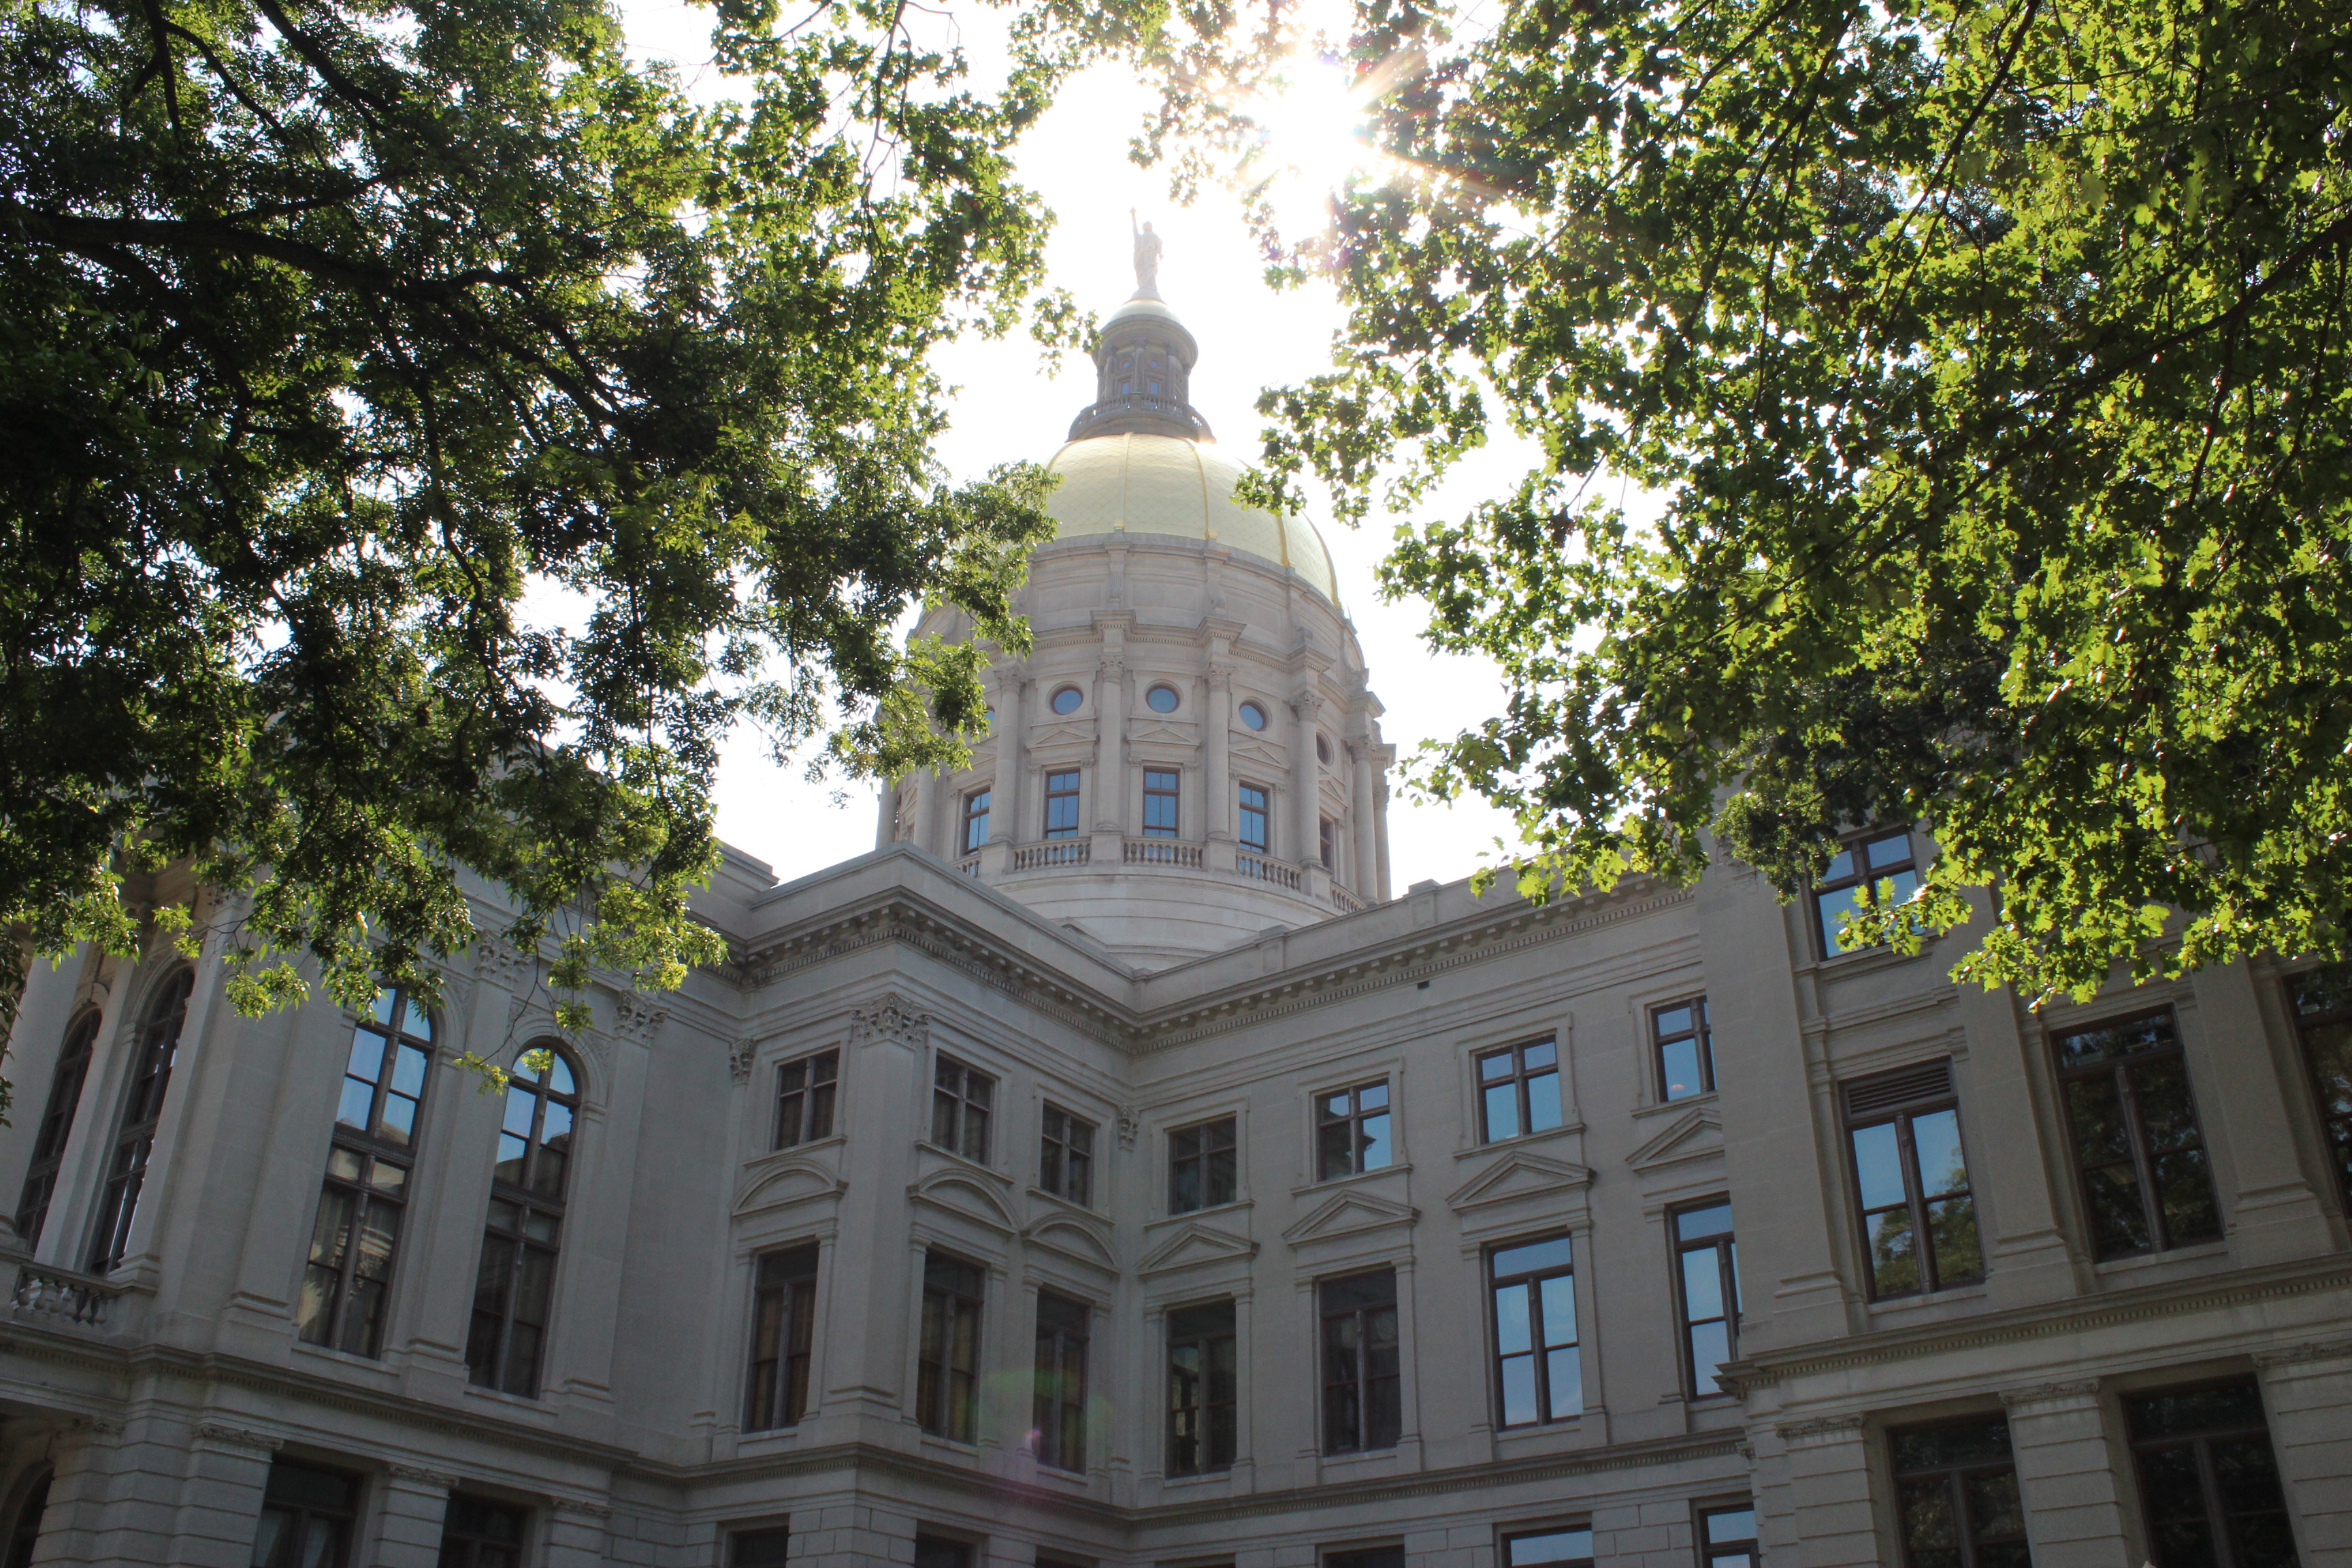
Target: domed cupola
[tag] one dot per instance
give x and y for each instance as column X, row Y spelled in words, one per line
column 1190, row 752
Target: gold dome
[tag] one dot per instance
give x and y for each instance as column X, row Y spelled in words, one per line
column 1136, row 483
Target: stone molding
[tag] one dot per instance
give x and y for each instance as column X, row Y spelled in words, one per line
column 581, row 1506
column 740, row 1060
column 2075, row 1395
column 1130, row 1125
column 2303, row 1354
column 1820, row 1430
column 891, row 1018
column 636, row 1019
column 422, row 1476
column 226, row 1437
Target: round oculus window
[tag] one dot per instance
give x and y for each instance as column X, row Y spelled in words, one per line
column 1161, row 699
column 1066, row 699
column 1253, row 716
column 1323, row 748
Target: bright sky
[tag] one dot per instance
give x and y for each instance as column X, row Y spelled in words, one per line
column 1251, row 337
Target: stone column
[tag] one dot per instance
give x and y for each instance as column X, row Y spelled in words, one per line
column 84, row 1459
column 227, row 1469
column 2065, row 1475
column 416, row 1506
column 1217, row 767
column 2274, row 1215
column 1363, row 875
column 1009, row 822
column 575, row 1534
column 1306, row 779
column 1380, row 837
column 1110, row 746
column 1829, row 1480
column 2307, row 1388
column 886, row 800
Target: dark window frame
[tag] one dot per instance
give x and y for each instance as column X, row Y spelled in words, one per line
column 1058, row 1396
column 1253, row 816
column 936, row 1550
column 2213, row 1500
column 1519, row 1079
column 1352, row 1125
column 1958, row 1506
column 1528, row 1284
column 1865, row 873
column 282, row 1494
column 974, row 835
column 2321, row 999
column 1163, row 802
column 751, row 1546
column 1744, row 1550
column 963, row 1107
column 1701, row 1036
column 1201, row 1157
column 1065, row 1156
column 76, row 1049
column 470, row 1532
column 1908, row 1098
column 1362, row 1406
column 947, row 1377
column 1204, row 1397
column 1724, row 1246
column 783, row 1337
column 1326, row 843
column 1508, row 1538
column 2124, row 1071
column 808, row 1091
column 1062, row 786
column 364, row 1193
column 147, row 1084
column 522, row 1232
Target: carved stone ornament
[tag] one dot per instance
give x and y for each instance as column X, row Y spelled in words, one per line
column 503, row 963
column 226, row 1437
column 423, row 1476
column 95, row 1425
column 890, row 1018
column 2318, row 1350
column 595, row 1510
column 635, row 1018
column 2071, row 1393
column 1820, row 1430
column 739, row 1058
column 1221, row 676
column 1131, row 1124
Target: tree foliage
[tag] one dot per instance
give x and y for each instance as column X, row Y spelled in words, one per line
column 427, row 431
column 1988, row 364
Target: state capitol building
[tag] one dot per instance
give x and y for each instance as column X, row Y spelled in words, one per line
column 1111, row 1169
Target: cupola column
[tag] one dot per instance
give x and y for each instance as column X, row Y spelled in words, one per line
column 1216, row 756
column 1307, row 781
column 1364, row 874
column 1011, row 727
column 1110, row 736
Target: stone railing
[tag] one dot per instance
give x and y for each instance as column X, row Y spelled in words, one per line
column 1346, row 899
column 1259, row 869
column 1163, row 852
column 61, row 1293
column 969, row 865
column 1053, row 852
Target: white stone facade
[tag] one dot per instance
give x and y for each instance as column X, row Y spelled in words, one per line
column 152, row 1401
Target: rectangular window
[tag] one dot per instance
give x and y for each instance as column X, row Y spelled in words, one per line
column 975, row 821
column 1327, row 840
column 1252, row 818
column 1875, row 870
column 1686, row 1053
column 1537, row 1373
column 1065, row 1156
column 960, row 1099
column 1519, row 1090
column 1366, row 1557
column 1204, row 1170
column 947, row 1377
column 2208, row 1484
column 1726, row 1537
column 307, row 1514
column 2145, row 1186
column 1566, row 1546
column 2323, row 1009
column 1060, row 1405
column 939, row 1552
column 1708, row 1271
column 767, row 1548
column 1062, row 805
column 1956, row 1496
column 1911, row 1181
column 476, row 1532
column 783, row 1337
column 1204, row 1388
column 1159, row 802
column 1362, row 1408
column 805, row 1091
column 1351, row 1131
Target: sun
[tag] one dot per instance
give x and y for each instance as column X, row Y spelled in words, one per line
column 1312, row 119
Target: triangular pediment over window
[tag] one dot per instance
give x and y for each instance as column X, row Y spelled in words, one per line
column 1693, row 1135
column 1519, row 1175
column 1347, row 1214
column 1195, row 1246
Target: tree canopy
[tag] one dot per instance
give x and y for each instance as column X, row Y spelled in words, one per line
column 1988, row 364
column 427, row 430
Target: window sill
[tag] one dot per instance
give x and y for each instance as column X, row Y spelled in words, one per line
column 368, row 1364
column 512, row 1401
column 956, row 1446
column 2193, row 1258
column 1525, row 1140
column 1675, row 1107
column 1205, row 1478
column 1236, row 1207
column 1862, row 960
column 1891, row 1305
column 813, row 1145
column 965, row 1161
column 1373, row 1174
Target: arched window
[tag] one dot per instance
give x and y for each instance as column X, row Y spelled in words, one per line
column 504, row 1348
column 142, row 1107
column 24, row 1521
column 366, row 1195
column 57, row 1122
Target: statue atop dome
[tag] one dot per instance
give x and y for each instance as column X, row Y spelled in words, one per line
column 1146, row 259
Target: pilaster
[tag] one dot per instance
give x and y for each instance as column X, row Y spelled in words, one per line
column 416, row 1506
column 2065, row 1475
column 1829, row 1476
column 2307, row 1390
